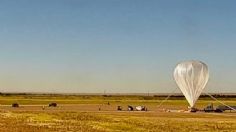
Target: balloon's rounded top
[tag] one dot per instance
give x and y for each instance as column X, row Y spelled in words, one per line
column 191, row 77
column 191, row 62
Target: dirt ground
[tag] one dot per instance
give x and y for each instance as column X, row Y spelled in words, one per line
column 99, row 114
column 87, row 118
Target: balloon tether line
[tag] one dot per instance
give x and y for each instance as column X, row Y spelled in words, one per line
column 166, row 98
column 220, row 102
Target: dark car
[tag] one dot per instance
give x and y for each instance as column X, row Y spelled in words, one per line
column 52, row 105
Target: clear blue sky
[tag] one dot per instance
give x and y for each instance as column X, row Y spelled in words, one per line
column 114, row 45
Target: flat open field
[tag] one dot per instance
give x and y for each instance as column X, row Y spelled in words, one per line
column 81, row 113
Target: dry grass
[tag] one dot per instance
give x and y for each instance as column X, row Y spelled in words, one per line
column 82, row 117
column 115, row 121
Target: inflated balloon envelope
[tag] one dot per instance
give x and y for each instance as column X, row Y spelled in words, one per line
column 191, row 77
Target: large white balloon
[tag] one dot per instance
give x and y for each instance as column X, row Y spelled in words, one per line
column 191, row 77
